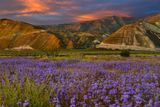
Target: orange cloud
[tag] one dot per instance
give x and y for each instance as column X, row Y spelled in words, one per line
column 34, row 6
column 100, row 14
column 85, row 17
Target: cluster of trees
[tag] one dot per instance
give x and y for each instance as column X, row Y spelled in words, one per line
column 80, row 40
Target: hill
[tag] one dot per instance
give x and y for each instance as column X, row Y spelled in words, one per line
column 143, row 34
column 21, row 35
column 111, row 32
column 81, row 35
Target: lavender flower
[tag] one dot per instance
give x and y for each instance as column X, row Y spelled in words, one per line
column 26, row 103
column 19, row 102
column 80, row 83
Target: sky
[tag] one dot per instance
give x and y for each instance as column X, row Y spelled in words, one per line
column 66, row 11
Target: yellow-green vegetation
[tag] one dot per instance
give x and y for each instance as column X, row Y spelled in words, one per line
column 38, row 94
column 73, row 54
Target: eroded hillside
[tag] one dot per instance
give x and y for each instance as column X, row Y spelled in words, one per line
column 14, row 34
column 144, row 34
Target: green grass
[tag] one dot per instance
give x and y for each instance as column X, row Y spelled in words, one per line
column 12, row 92
column 72, row 53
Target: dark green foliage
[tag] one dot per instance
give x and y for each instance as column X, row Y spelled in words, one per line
column 62, row 39
column 125, row 53
column 83, row 43
column 37, row 27
column 81, row 40
column 52, row 52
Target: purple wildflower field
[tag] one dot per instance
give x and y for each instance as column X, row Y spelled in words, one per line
column 74, row 83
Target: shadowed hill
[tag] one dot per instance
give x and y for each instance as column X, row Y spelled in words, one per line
column 19, row 34
column 144, row 34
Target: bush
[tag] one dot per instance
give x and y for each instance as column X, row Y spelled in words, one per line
column 125, row 53
column 51, row 52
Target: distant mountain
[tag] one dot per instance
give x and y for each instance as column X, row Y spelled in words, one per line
column 20, row 35
column 95, row 27
column 143, row 34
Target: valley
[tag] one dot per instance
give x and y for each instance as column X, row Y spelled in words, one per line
column 109, row 33
column 79, row 53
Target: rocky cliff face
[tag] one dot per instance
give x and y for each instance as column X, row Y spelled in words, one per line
column 144, row 34
column 14, row 34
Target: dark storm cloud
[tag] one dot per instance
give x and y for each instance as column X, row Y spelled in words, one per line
column 64, row 11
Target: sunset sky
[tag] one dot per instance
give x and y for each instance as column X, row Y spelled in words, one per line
column 65, row 11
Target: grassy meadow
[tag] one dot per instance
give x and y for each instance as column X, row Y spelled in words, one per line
column 62, row 54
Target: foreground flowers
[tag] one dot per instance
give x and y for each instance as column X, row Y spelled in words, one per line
column 73, row 83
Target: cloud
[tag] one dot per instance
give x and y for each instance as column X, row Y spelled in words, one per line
column 65, row 11
column 34, row 6
column 27, row 8
column 101, row 14
column 3, row 12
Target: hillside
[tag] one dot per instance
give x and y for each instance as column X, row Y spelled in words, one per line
column 81, row 35
column 141, row 34
column 144, row 34
column 20, row 35
column 95, row 27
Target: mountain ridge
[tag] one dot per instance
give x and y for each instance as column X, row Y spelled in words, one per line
column 98, row 26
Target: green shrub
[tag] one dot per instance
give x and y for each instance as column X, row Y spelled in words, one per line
column 52, row 52
column 125, row 53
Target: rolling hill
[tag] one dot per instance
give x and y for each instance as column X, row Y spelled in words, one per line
column 141, row 35
column 20, row 35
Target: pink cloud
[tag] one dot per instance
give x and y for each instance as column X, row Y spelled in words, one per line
column 34, row 6
column 100, row 14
